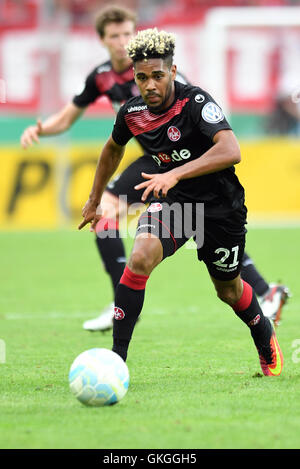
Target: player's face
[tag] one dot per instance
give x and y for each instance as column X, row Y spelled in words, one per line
column 116, row 37
column 156, row 82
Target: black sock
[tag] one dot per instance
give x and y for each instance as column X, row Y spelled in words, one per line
column 112, row 253
column 249, row 311
column 129, row 302
column 253, row 277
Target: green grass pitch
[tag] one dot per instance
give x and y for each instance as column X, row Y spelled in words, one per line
column 195, row 375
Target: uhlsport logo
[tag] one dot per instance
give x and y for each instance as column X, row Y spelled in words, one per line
column 136, row 108
column 174, row 134
column 118, row 313
column 155, row 207
column 199, row 98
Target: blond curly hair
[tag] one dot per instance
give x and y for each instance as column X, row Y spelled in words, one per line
column 151, row 44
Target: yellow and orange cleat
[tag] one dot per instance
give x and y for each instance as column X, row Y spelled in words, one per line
column 270, row 357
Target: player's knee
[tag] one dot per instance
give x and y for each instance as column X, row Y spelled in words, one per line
column 145, row 256
column 141, row 262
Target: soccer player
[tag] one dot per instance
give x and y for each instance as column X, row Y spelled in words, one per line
column 185, row 132
column 115, row 79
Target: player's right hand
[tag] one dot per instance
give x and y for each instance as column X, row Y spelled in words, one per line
column 30, row 135
column 91, row 213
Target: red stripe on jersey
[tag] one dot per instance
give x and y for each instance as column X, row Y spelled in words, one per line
column 144, row 121
column 106, row 80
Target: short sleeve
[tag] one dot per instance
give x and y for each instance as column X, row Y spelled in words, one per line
column 121, row 133
column 207, row 114
column 89, row 93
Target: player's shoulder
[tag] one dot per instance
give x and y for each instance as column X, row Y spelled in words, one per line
column 200, row 104
column 193, row 93
column 100, row 69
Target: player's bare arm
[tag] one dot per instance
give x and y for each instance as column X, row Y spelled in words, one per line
column 31, row 134
column 55, row 124
column 224, row 153
column 108, row 162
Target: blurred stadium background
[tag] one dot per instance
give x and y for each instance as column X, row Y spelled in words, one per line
column 191, row 365
column 246, row 53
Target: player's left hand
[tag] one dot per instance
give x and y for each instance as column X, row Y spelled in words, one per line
column 91, row 213
column 159, row 184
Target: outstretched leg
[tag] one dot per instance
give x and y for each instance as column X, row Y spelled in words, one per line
column 240, row 296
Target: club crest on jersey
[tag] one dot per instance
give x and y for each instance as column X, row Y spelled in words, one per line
column 155, row 207
column 118, row 313
column 174, row 134
column 212, row 113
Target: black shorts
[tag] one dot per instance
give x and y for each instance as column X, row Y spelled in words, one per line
column 123, row 184
column 220, row 242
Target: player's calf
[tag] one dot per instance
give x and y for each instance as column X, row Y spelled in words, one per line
column 130, row 292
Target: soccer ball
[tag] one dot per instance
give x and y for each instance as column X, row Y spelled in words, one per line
column 99, row 377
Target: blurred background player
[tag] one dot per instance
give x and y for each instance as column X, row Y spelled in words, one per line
column 115, row 79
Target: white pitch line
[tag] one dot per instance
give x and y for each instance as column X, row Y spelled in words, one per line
column 13, row 316
column 46, row 315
